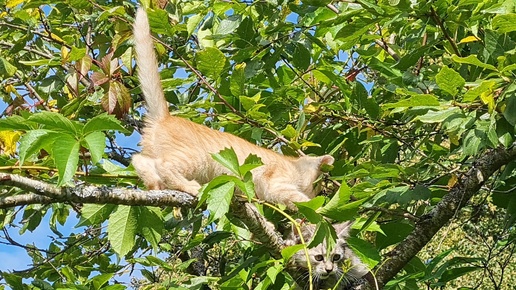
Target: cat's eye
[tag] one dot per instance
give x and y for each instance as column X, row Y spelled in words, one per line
column 318, row 258
column 336, row 257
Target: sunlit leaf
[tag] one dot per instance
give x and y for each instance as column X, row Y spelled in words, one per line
column 122, row 227
column 65, row 152
column 449, row 80
column 211, row 62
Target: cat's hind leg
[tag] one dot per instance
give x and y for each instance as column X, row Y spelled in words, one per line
column 147, row 171
column 174, row 179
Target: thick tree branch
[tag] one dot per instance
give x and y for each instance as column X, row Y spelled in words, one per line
column 45, row 193
column 460, row 194
column 263, row 231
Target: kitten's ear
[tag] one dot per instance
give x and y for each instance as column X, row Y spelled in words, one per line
column 326, row 160
column 293, row 236
column 342, row 229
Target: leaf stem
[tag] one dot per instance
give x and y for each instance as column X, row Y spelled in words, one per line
column 298, row 229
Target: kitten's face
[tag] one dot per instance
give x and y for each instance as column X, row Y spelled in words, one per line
column 339, row 265
column 327, row 264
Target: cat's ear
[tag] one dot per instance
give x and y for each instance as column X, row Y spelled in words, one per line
column 326, row 160
column 294, row 235
column 342, row 229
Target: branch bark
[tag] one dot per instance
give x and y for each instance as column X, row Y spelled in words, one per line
column 45, row 193
column 460, row 194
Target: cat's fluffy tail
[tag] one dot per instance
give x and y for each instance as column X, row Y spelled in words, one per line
column 157, row 107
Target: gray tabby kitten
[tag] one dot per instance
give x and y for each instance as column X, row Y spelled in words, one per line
column 340, row 265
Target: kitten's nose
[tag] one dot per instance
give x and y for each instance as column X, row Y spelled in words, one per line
column 329, row 268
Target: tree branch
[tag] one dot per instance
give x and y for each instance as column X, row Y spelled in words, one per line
column 45, row 193
column 468, row 185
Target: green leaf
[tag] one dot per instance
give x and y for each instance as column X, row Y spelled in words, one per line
column 15, row 123
column 54, row 121
column 228, row 159
column 40, row 62
column 43, row 285
column 449, row 80
column 365, row 251
column 100, row 280
column 510, row 110
column 13, row 280
column 436, row 260
column 319, row 3
column 216, row 237
column 237, row 80
column 273, row 272
column 454, row 273
column 324, row 232
column 473, row 60
column 438, row 116
column 289, row 251
column 95, row 214
column 66, row 156
column 301, row 57
column 121, row 230
column 414, row 101
column 473, row 142
column 289, row 132
column 159, row 22
column 151, row 225
column 33, row 141
column 219, row 200
column 6, row 68
column 211, row 62
column 68, row 273
column 193, row 22
column 96, row 143
column 309, row 209
column 340, row 198
column 343, row 212
column 103, row 122
column 251, row 162
column 504, row 23
column 484, row 87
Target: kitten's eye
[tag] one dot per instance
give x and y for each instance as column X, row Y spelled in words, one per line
column 318, row 258
column 336, row 257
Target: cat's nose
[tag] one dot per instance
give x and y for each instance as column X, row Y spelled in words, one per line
column 329, row 269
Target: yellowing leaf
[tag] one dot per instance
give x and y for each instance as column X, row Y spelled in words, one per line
column 8, row 141
column 57, row 38
column 310, row 109
column 468, row 39
column 13, row 3
column 487, row 98
column 64, row 53
column 452, row 181
column 52, row 103
column 10, row 89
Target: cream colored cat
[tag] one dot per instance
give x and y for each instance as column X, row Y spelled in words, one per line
column 176, row 152
column 339, row 268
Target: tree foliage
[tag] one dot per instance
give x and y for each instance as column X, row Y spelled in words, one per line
column 416, row 100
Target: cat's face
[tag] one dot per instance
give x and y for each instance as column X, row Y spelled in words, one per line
column 326, row 264
column 329, row 267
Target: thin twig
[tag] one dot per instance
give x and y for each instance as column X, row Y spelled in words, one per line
column 420, row 61
column 438, row 21
column 390, row 212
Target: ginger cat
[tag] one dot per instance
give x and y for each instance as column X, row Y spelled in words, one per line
column 176, row 152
